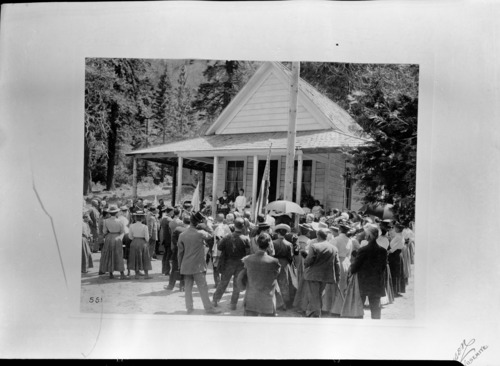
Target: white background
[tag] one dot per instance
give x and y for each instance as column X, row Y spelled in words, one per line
column 42, row 58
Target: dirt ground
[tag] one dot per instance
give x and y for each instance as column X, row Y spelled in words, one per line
column 131, row 296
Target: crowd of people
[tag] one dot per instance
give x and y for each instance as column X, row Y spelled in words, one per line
column 331, row 266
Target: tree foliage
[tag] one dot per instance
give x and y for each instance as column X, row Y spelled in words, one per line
column 383, row 99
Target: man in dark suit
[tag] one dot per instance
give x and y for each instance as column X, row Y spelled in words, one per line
column 166, row 239
column 191, row 256
column 175, row 275
column 260, row 279
column 321, row 266
column 233, row 249
column 370, row 264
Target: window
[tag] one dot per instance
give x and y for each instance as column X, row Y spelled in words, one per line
column 234, row 178
column 306, row 179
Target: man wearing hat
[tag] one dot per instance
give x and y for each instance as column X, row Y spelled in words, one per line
column 232, row 250
column 287, row 278
column 259, row 280
column 166, row 238
column 175, row 275
column 152, row 222
column 191, row 256
column 370, row 264
column 321, row 267
column 221, row 230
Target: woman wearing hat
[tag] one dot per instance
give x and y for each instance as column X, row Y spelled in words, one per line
column 139, row 258
column 287, row 278
column 334, row 295
column 86, row 237
column 112, row 251
column 396, row 261
column 262, row 227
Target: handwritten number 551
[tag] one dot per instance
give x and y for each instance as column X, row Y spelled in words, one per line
column 96, row 300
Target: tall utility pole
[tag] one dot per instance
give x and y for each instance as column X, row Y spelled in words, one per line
column 292, row 126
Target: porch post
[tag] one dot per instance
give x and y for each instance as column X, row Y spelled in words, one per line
column 134, row 178
column 300, row 159
column 298, row 192
column 254, row 184
column 174, row 185
column 202, row 188
column 214, row 186
column 179, row 180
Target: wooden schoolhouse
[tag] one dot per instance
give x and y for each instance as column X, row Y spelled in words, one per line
column 235, row 147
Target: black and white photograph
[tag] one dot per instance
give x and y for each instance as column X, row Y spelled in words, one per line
column 250, row 180
column 213, row 149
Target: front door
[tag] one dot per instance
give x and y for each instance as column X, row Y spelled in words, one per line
column 273, row 177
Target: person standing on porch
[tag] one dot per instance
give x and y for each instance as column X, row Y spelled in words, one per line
column 191, row 256
column 223, row 204
column 233, row 248
column 241, row 201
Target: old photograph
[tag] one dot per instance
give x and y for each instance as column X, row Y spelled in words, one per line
column 242, row 188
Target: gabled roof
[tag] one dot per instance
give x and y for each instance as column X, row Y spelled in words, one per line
column 316, row 112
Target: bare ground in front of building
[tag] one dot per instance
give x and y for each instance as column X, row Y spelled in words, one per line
column 131, row 296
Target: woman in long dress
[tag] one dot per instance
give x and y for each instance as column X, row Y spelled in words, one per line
column 334, row 295
column 287, row 278
column 113, row 230
column 139, row 257
column 86, row 237
column 396, row 265
column 383, row 241
column 308, row 235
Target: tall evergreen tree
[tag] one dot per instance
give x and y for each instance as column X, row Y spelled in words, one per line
column 224, row 79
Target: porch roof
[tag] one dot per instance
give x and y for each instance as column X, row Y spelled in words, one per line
column 199, row 151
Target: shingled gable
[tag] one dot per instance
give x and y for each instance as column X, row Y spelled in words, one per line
column 262, row 105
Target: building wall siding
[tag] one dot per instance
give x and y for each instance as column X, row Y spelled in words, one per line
column 327, row 181
column 267, row 110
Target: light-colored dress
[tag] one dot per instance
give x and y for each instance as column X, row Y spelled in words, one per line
column 334, row 295
column 139, row 257
column 86, row 251
column 112, row 251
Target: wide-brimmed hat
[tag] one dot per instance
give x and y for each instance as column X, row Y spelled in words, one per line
column 139, row 213
column 307, row 227
column 124, row 208
column 318, row 225
column 344, row 225
column 283, row 226
column 198, row 216
column 399, row 225
column 263, row 226
column 166, row 208
column 112, row 209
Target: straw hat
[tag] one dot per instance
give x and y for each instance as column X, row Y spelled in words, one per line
column 282, row 226
column 112, row 209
